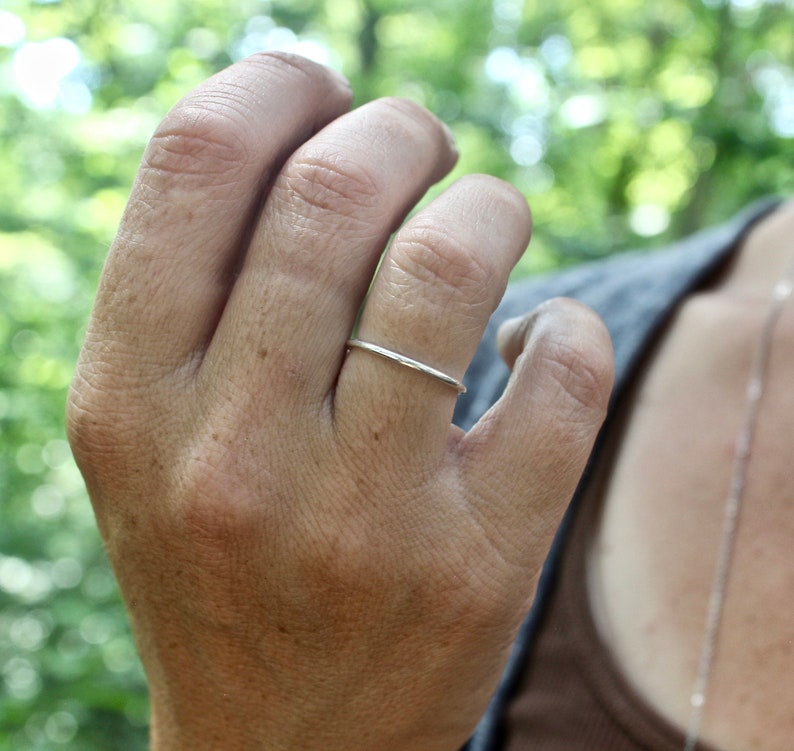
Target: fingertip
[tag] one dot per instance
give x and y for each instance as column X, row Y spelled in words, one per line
column 533, row 444
column 557, row 315
column 427, row 122
column 509, row 198
column 330, row 90
column 563, row 369
column 341, row 79
column 567, row 361
column 300, row 64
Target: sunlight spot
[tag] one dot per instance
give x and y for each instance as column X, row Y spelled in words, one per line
column 556, row 51
column 12, row 29
column 48, row 502
column 583, row 110
column 42, row 70
column 527, row 150
column 61, row 727
column 502, row 65
column 21, row 678
column 648, row 220
column 66, row 573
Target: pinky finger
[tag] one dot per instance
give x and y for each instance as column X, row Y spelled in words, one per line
column 525, row 457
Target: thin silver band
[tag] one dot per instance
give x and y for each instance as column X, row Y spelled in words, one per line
column 409, row 362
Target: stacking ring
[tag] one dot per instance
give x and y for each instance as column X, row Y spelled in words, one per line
column 409, row 362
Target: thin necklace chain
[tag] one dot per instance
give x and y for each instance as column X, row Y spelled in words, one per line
column 733, row 504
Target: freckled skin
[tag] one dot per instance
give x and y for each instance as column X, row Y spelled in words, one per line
column 320, row 561
column 660, row 534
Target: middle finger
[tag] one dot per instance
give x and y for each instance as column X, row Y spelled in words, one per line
column 316, row 246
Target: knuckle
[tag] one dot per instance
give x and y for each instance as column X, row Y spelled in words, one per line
column 85, row 406
column 82, row 421
column 286, row 66
column 227, row 486
column 409, row 115
column 95, row 428
column 199, row 139
column 430, row 255
column 582, row 373
column 409, row 123
column 114, row 421
column 505, row 200
column 330, row 184
column 214, row 509
column 207, row 520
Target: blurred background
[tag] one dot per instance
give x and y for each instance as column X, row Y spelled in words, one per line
column 627, row 123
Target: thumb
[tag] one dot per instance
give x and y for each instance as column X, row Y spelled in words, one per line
column 524, row 458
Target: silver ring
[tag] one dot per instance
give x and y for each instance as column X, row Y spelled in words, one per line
column 409, row 362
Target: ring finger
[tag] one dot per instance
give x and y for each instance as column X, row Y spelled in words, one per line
column 440, row 281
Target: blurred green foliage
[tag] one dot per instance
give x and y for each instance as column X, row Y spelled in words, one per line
column 625, row 122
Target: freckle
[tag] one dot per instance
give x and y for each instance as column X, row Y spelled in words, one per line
column 650, row 628
column 214, row 436
column 376, row 436
column 263, row 353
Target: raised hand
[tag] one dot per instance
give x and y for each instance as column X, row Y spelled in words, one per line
column 312, row 556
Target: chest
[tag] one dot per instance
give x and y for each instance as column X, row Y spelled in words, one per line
column 654, row 554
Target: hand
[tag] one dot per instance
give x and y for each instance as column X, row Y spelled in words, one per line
column 312, row 557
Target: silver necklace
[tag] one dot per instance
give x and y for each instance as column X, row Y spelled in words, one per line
column 741, row 459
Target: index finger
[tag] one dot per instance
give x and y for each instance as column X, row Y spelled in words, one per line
column 202, row 180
